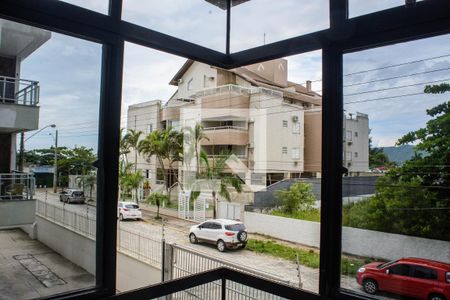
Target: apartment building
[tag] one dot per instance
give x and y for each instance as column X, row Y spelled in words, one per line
column 19, row 99
column 271, row 124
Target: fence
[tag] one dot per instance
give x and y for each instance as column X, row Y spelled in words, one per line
column 141, row 246
column 84, row 223
column 186, row 262
column 19, row 91
column 16, row 186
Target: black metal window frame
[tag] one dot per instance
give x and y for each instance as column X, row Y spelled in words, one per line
column 410, row 22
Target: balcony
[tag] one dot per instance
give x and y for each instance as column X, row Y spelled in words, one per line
column 18, row 104
column 225, row 135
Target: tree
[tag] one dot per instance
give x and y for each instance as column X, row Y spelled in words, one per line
column 131, row 140
column 196, row 135
column 377, row 157
column 299, row 197
column 124, row 172
column 414, row 199
column 87, row 181
column 133, row 181
column 156, row 199
column 217, row 181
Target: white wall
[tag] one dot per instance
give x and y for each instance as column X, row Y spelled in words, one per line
column 354, row 241
column 197, row 73
column 17, row 212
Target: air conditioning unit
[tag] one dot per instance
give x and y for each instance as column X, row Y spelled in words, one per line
column 180, row 80
column 295, row 119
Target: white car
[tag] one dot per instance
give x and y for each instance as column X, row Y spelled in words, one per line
column 225, row 234
column 129, row 210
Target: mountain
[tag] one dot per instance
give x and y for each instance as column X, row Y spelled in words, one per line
column 399, row 154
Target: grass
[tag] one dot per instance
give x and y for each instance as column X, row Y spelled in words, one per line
column 307, row 215
column 308, row 258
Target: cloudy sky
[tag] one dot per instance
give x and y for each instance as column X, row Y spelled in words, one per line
column 386, row 83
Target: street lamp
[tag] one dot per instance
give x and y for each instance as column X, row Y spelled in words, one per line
column 22, row 145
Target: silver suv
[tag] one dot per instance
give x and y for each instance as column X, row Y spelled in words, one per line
column 225, row 234
column 72, row 196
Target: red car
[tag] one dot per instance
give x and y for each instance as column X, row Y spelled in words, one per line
column 413, row 277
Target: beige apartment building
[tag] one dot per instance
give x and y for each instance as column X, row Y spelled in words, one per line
column 271, row 124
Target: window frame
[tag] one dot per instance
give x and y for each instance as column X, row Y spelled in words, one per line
column 400, row 24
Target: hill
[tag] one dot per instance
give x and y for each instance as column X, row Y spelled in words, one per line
column 399, row 154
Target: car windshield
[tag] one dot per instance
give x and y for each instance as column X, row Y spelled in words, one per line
column 77, row 194
column 235, row 227
column 387, row 264
column 135, row 206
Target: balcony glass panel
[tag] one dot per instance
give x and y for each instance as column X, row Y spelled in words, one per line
column 259, row 22
column 48, row 143
column 396, row 193
column 198, row 21
column 208, row 148
column 358, row 7
column 100, row 6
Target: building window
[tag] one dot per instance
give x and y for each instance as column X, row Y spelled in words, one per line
column 149, row 128
column 356, row 133
column 189, row 84
column 356, row 154
column 296, row 128
column 349, row 135
column 349, row 155
column 295, row 153
column 285, row 123
column 284, row 150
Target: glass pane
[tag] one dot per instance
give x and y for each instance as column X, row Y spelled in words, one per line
column 259, row 22
column 198, row 21
column 202, row 128
column 49, row 107
column 100, row 6
column 396, row 147
column 358, row 7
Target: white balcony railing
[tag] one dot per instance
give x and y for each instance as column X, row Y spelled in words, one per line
column 224, row 127
column 19, row 91
column 16, row 186
column 237, row 89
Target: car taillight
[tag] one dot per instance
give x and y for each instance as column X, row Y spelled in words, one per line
column 227, row 233
column 125, row 209
column 447, row 277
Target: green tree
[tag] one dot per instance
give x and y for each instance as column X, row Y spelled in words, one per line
column 299, row 197
column 414, row 199
column 131, row 140
column 156, row 199
column 87, row 181
column 196, row 135
column 214, row 178
column 377, row 157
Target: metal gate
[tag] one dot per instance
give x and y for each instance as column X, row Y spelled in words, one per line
column 196, row 211
column 229, row 210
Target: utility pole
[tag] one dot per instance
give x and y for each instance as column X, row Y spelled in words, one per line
column 55, row 167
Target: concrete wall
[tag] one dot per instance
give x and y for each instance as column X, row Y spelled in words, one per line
column 355, row 241
column 17, row 212
column 77, row 248
column 133, row 273
column 15, row 117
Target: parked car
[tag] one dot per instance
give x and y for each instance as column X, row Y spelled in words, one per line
column 128, row 210
column 72, row 196
column 225, row 234
column 413, row 277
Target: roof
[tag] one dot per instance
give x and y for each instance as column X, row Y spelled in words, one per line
column 144, row 104
column 181, row 71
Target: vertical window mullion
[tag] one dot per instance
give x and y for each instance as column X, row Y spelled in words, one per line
column 331, row 188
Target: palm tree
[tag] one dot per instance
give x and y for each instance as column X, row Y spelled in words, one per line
column 132, row 141
column 124, row 172
column 88, row 181
column 124, row 147
column 217, row 181
column 196, row 135
column 133, row 181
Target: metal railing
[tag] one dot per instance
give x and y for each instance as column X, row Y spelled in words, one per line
column 16, row 186
column 19, row 91
column 83, row 223
column 225, row 127
column 143, row 246
column 237, row 89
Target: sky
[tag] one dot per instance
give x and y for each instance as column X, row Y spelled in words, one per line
column 68, row 69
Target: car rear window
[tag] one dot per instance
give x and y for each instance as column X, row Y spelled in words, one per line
column 77, row 194
column 135, row 206
column 235, row 227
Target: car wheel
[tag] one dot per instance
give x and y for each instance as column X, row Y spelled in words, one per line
column 242, row 236
column 221, row 246
column 243, row 245
column 193, row 239
column 436, row 297
column 370, row 286
column 120, row 217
